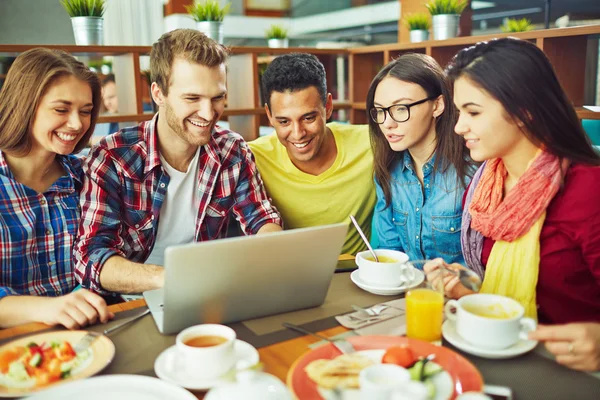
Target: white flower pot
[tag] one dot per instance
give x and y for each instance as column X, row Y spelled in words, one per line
column 445, row 26
column 212, row 29
column 278, row 43
column 88, row 30
column 419, row 35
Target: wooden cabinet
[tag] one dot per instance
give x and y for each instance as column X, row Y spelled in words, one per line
column 566, row 48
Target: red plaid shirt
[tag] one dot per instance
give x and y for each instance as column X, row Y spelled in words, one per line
column 125, row 186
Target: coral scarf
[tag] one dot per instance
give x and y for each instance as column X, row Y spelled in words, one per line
column 514, row 223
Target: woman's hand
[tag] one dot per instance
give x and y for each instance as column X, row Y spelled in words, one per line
column 576, row 346
column 452, row 287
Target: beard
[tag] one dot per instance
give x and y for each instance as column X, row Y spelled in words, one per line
column 180, row 128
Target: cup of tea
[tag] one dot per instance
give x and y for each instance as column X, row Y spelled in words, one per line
column 489, row 321
column 206, row 351
column 390, row 271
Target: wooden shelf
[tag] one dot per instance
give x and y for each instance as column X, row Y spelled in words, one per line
column 469, row 40
column 565, row 47
column 15, row 49
column 125, row 118
column 269, row 50
column 584, row 113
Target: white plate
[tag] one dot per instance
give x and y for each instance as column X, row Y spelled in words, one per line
column 116, row 387
column 450, row 334
column 444, row 385
column 167, row 367
column 418, row 279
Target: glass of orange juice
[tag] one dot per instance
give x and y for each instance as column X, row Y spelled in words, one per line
column 425, row 307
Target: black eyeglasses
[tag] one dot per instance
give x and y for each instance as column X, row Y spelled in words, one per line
column 398, row 112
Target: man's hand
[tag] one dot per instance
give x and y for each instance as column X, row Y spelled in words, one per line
column 576, row 346
column 75, row 310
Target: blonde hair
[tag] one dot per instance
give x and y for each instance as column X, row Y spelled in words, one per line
column 188, row 44
column 29, row 78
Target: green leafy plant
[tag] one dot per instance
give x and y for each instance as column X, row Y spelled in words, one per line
column 417, row 21
column 276, row 32
column 437, row 7
column 84, row 8
column 517, row 25
column 208, row 10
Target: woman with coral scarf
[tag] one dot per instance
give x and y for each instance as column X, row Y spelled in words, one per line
column 531, row 219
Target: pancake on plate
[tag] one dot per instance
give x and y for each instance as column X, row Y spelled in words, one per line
column 341, row 372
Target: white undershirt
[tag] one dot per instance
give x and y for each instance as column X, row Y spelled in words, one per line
column 177, row 223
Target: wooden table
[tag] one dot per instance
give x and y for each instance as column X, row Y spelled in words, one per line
column 277, row 358
column 531, row 376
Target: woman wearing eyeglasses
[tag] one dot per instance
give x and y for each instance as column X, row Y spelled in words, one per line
column 421, row 167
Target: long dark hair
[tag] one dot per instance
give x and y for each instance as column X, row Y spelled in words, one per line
column 450, row 149
column 519, row 75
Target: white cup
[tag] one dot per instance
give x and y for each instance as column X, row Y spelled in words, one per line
column 489, row 321
column 384, row 274
column 379, row 381
column 206, row 362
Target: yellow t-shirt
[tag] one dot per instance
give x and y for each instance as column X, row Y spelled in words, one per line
column 345, row 188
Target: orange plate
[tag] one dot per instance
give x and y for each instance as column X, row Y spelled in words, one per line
column 464, row 374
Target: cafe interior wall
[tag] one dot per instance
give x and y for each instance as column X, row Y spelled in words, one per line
column 34, row 22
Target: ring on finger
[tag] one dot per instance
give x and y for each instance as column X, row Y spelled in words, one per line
column 570, row 348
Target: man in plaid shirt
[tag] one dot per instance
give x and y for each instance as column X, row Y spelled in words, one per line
column 172, row 180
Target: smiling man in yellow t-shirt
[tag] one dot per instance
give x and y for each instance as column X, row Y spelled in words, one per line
column 316, row 173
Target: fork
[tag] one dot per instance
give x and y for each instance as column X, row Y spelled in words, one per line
column 86, row 341
column 375, row 310
column 342, row 345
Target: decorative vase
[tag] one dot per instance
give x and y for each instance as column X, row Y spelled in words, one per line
column 88, row 30
column 278, row 43
column 212, row 29
column 445, row 26
column 419, row 35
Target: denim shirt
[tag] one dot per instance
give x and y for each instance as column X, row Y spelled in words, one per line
column 422, row 220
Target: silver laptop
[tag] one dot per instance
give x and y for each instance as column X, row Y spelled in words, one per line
column 236, row 279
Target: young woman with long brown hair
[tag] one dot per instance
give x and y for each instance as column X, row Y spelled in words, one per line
column 48, row 109
column 421, row 167
column 531, row 225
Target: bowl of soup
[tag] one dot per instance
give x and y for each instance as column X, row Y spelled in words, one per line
column 390, row 271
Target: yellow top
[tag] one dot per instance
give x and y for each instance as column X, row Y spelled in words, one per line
column 345, row 188
column 513, row 267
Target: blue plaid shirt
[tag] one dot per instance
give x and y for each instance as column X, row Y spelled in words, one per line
column 37, row 232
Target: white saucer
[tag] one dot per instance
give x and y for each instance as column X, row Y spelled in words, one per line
column 521, row 347
column 386, row 291
column 168, row 369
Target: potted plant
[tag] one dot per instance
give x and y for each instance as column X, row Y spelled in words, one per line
column 86, row 17
column 209, row 15
column 517, row 25
column 277, row 37
column 445, row 15
column 418, row 24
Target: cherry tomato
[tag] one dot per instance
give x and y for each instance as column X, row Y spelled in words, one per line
column 402, row 356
